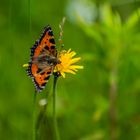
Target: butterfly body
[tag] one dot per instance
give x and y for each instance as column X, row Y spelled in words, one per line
column 43, row 59
column 46, row 60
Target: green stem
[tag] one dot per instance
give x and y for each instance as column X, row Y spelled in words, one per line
column 56, row 133
column 113, row 99
column 34, row 118
column 10, row 24
column 29, row 17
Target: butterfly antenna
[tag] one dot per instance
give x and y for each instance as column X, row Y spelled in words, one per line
column 61, row 25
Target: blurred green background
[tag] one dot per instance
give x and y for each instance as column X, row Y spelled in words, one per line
column 100, row 102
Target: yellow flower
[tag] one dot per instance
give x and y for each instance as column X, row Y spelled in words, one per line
column 67, row 64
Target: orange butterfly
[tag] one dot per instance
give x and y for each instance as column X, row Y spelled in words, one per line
column 43, row 59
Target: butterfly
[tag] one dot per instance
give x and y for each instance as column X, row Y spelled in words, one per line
column 43, row 59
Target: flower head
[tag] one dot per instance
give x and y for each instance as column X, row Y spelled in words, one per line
column 67, row 64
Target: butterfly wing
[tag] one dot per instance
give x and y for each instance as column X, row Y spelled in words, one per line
column 46, row 44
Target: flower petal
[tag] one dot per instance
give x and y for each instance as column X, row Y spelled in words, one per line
column 25, row 65
column 63, row 74
column 74, row 60
column 74, row 67
column 72, row 54
column 70, row 71
column 69, row 51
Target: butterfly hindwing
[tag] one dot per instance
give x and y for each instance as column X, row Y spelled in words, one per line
column 39, row 78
